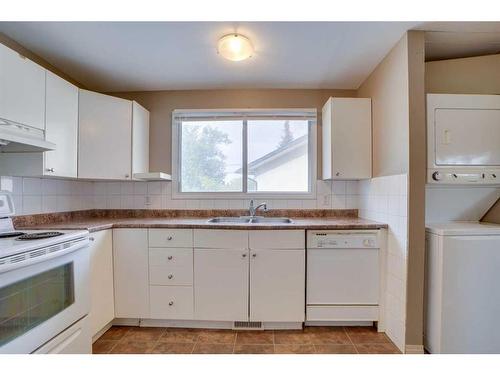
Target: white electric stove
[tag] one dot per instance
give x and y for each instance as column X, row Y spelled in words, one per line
column 44, row 298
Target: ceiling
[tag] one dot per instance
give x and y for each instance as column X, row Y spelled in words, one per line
column 136, row 56
column 143, row 56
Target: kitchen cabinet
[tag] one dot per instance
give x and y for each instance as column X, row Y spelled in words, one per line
column 347, row 139
column 140, row 139
column 102, row 308
column 249, row 275
column 131, row 276
column 105, row 137
column 61, row 127
column 277, row 285
column 221, row 284
column 22, row 89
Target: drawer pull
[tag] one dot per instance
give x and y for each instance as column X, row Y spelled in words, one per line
column 171, row 303
column 170, row 276
column 244, row 255
column 169, row 238
column 170, row 257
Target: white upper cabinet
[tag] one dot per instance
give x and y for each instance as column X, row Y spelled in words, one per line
column 140, row 139
column 113, row 137
column 105, row 137
column 347, row 139
column 22, row 89
column 61, row 127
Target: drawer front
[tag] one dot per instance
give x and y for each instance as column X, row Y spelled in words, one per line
column 220, row 239
column 170, row 238
column 170, row 275
column 171, row 302
column 277, row 239
column 173, row 257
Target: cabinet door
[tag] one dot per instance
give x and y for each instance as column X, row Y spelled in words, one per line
column 221, row 284
column 22, row 89
column 140, row 139
column 131, row 281
column 61, row 127
column 105, row 137
column 277, row 285
column 351, row 130
column 102, row 307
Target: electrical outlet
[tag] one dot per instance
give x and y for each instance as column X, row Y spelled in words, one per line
column 148, row 200
column 326, row 200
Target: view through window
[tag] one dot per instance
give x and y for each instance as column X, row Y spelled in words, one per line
column 245, row 154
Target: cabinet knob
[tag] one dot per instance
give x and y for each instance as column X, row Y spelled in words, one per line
column 171, row 303
column 127, row 176
column 170, row 257
column 254, row 255
column 337, row 174
column 170, row 276
column 244, row 255
column 49, row 169
column 169, row 238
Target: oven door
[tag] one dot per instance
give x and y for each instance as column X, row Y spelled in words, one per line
column 40, row 300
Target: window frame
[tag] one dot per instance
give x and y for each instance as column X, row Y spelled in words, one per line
column 244, row 115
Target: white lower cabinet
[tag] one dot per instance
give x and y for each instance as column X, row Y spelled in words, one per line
column 171, row 302
column 221, row 284
column 102, row 308
column 131, row 276
column 277, row 285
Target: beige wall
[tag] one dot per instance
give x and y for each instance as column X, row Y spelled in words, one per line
column 5, row 40
column 388, row 88
column 162, row 103
column 397, row 89
column 472, row 75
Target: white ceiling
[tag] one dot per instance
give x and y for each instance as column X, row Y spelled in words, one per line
column 137, row 56
column 107, row 56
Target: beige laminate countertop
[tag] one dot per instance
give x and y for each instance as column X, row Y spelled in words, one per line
column 97, row 224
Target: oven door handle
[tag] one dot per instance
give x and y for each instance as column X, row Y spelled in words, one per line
column 28, row 261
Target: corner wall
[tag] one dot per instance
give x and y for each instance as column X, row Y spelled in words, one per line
column 396, row 87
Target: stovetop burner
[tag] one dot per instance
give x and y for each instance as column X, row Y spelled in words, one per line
column 38, row 236
column 11, row 234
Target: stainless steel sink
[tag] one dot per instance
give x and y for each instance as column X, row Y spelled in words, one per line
column 271, row 220
column 230, row 219
column 250, row 220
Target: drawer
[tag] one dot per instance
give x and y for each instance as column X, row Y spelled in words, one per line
column 277, row 239
column 179, row 257
column 220, row 239
column 342, row 314
column 171, row 302
column 170, row 275
column 170, row 238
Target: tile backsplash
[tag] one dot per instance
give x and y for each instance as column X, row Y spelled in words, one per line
column 385, row 199
column 43, row 195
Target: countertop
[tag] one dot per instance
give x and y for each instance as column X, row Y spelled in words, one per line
column 97, row 224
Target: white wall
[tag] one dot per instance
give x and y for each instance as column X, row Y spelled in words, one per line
column 385, row 199
column 453, row 203
column 43, row 195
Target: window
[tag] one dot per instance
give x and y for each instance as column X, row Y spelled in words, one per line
column 244, row 152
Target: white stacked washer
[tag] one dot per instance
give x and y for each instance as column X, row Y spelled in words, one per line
column 44, row 288
column 462, row 288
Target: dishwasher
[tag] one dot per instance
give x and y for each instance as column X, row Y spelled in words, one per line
column 343, row 277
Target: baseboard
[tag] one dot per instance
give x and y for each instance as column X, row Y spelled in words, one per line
column 102, row 331
column 200, row 324
column 414, row 349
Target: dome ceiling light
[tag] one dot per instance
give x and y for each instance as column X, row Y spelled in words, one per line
column 235, row 47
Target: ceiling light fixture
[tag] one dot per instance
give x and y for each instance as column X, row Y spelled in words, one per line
column 235, row 47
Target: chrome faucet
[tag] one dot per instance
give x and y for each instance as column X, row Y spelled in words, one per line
column 253, row 210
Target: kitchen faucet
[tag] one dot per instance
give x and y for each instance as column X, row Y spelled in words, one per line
column 253, row 210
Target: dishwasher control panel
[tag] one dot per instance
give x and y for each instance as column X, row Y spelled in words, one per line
column 339, row 240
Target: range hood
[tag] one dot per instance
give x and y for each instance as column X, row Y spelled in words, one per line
column 21, row 138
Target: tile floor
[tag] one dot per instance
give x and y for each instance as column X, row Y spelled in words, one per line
column 320, row 340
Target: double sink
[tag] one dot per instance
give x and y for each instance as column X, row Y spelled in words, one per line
column 250, row 220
